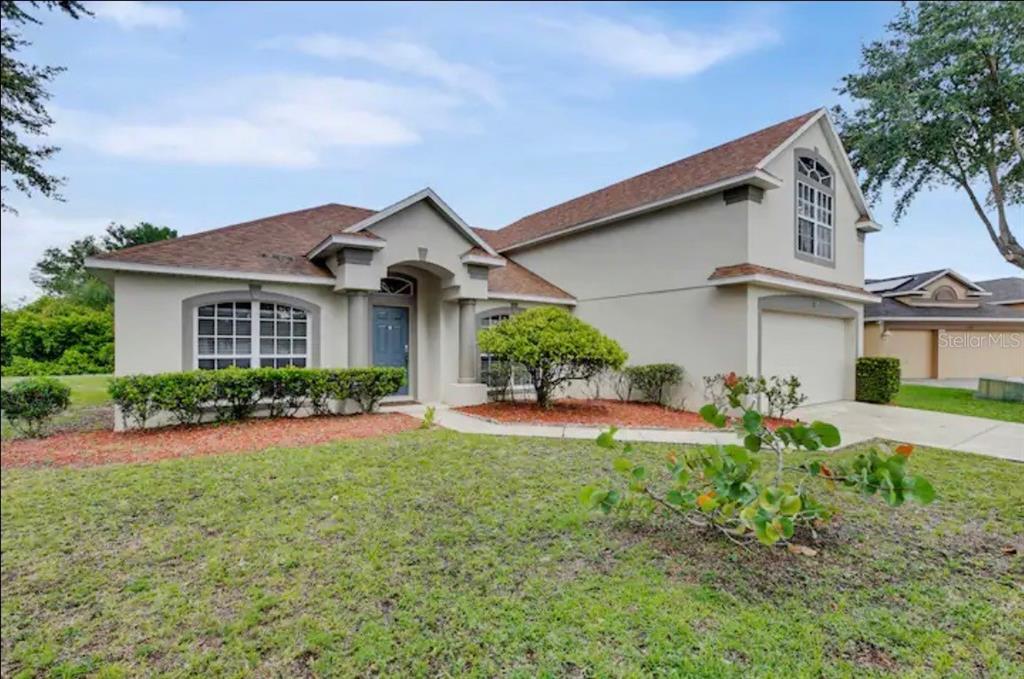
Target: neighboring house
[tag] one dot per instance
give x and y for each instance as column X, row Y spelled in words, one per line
column 940, row 324
column 747, row 257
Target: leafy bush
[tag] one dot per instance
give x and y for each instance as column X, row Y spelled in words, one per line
column 780, row 394
column 30, row 403
column 136, row 396
column 651, row 381
column 57, row 337
column 553, row 346
column 235, row 393
column 878, row 378
column 184, row 394
column 721, row 487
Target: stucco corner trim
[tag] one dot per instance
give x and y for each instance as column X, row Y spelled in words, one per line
column 483, row 260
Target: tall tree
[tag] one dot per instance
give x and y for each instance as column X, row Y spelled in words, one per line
column 61, row 271
column 23, row 96
column 940, row 101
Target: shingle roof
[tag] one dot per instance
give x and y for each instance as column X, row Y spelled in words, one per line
column 893, row 308
column 728, row 160
column 279, row 244
column 747, row 269
column 272, row 245
column 1004, row 289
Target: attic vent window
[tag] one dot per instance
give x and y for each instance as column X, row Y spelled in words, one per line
column 945, row 293
column 397, row 285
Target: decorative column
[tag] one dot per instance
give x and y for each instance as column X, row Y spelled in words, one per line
column 468, row 361
column 358, row 328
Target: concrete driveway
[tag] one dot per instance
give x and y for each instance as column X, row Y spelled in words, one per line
column 860, row 421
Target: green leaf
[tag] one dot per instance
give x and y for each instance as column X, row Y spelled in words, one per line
column 587, row 495
column 921, row 490
column 639, row 472
column 752, row 442
column 752, row 421
column 790, row 505
column 621, row 464
column 709, row 412
column 828, row 434
column 674, row 497
column 606, row 439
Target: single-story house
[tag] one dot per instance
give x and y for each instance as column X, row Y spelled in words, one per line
column 746, row 257
column 940, row 324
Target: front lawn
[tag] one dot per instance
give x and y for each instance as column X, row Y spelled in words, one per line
column 89, row 409
column 435, row 553
column 958, row 401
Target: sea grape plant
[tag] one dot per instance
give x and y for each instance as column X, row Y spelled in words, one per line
column 728, row 488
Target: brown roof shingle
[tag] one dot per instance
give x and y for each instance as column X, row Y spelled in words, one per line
column 707, row 167
column 272, row 245
column 748, row 269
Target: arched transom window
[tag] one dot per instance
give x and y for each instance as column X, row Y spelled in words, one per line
column 397, row 285
column 815, row 194
column 945, row 293
column 251, row 333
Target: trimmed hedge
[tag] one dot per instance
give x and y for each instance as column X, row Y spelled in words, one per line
column 651, row 380
column 878, row 378
column 235, row 393
column 30, row 403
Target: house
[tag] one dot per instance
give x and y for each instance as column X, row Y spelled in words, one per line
column 746, row 257
column 940, row 324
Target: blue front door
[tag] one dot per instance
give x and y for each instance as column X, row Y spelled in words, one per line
column 391, row 339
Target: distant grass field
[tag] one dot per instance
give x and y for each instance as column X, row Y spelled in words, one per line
column 88, row 392
column 958, row 401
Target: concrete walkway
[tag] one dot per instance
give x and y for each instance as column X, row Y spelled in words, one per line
column 856, row 421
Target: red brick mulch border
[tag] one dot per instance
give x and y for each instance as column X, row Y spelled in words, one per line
column 596, row 412
column 88, row 448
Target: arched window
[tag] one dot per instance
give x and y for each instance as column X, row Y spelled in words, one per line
column 815, row 194
column 945, row 293
column 397, row 284
column 249, row 333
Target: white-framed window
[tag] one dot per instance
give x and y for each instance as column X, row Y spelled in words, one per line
column 251, row 333
column 814, row 209
column 498, row 375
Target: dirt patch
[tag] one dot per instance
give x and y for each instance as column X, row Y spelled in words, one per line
column 595, row 412
column 88, row 448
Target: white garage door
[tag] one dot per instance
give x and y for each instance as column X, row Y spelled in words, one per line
column 814, row 348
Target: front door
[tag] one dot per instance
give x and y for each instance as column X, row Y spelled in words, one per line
column 391, row 339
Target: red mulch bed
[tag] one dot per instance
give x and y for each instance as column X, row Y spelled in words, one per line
column 597, row 412
column 88, row 448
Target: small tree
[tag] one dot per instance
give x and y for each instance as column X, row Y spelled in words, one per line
column 553, row 346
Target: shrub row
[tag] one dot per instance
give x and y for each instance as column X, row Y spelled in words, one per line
column 878, row 378
column 651, row 381
column 28, row 404
column 235, row 393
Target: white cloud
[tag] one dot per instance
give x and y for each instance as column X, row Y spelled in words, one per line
column 132, row 14
column 25, row 236
column 658, row 53
column 268, row 121
column 399, row 55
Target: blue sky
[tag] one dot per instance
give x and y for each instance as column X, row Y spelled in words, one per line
column 198, row 115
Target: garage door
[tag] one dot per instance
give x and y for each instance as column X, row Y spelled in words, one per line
column 814, row 348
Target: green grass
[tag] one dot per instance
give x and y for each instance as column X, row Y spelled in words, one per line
column 434, row 553
column 959, row 401
column 88, row 392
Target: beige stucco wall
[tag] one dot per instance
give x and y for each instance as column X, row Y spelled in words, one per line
column 772, row 239
column 979, row 353
column 914, row 348
column 148, row 318
column 643, row 282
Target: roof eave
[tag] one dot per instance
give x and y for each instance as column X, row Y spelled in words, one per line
column 759, row 178
column 779, row 283
column 338, row 241
column 93, row 264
